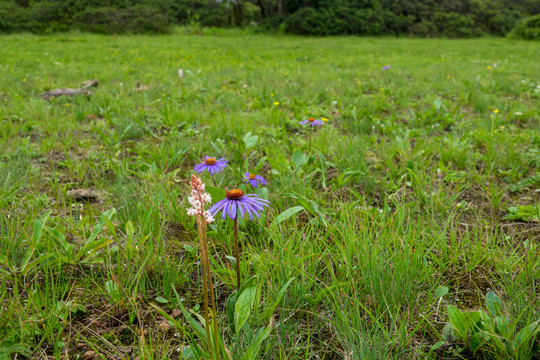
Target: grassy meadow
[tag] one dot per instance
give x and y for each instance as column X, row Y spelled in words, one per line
column 419, row 196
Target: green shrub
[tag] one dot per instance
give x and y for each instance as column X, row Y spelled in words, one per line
column 109, row 20
column 12, row 17
column 528, row 29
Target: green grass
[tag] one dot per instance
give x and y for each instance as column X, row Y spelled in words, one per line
column 407, row 190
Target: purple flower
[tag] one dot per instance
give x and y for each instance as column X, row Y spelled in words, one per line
column 212, row 165
column 312, row 122
column 254, row 180
column 386, row 67
column 236, row 200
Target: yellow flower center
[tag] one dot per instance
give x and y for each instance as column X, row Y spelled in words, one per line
column 234, row 194
column 210, row 161
column 251, row 176
column 311, row 119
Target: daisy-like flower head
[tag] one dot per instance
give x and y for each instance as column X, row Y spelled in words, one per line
column 212, row 165
column 312, row 122
column 386, row 67
column 236, row 200
column 254, row 180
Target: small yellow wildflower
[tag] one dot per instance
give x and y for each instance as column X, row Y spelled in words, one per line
column 501, row 127
column 324, row 119
column 276, row 103
column 271, row 94
column 496, row 111
column 490, row 67
column 24, row 80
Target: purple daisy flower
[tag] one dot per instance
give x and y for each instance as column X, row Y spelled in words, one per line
column 236, row 200
column 312, row 122
column 254, row 180
column 386, row 67
column 212, row 165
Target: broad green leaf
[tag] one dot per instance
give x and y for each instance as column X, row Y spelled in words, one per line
column 448, row 333
column 229, row 309
column 298, row 158
column 244, row 303
column 161, row 300
column 252, row 353
column 39, row 225
column 440, row 292
column 459, row 322
column 290, row 212
column 436, row 345
column 250, row 140
column 270, row 310
column 494, row 304
column 525, row 334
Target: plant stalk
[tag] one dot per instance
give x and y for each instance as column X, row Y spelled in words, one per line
column 211, row 288
column 205, row 282
column 237, row 254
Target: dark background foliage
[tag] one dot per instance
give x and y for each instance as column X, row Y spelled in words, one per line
column 428, row 18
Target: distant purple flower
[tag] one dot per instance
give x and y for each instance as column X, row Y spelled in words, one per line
column 236, row 200
column 212, row 165
column 312, row 122
column 254, row 180
column 386, row 67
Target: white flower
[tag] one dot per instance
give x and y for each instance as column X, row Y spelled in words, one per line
column 206, row 198
column 335, row 102
column 192, row 212
column 194, row 202
column 518, row 113
column 209, row 217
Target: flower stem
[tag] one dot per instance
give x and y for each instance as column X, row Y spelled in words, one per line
column 310, row 136
column 236, row 254
column 205, row 270
column 213, row 181
column 211, row 288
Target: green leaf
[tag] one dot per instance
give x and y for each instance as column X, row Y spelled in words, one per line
column 436, row 345
column 290, row 212
column 270, row 310
column 527, row 332
column 216, row 193
column 477, row 340
column 250, row 140
column 448, row 333
column 232, row 259
column 244, row 303
column 458, row 320
column 161, row 300
column 109, row 214
column 229, row 309
column 39, row 225
column 440, row 292
column 494, row 304
column 8, row 348
column 198, row 329
column 298, row 158
column 252, row 353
